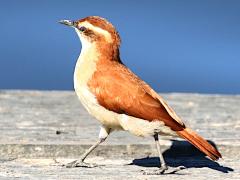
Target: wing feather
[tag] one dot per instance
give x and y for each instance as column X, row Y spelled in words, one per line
column 119, row 90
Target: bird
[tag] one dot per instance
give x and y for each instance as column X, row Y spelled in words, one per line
column 118, row 98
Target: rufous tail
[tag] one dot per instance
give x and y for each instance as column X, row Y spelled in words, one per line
column 200, row 143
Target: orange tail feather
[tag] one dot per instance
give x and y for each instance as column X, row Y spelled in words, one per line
column 200, row 143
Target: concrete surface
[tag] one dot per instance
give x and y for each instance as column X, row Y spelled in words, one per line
column 40, row 130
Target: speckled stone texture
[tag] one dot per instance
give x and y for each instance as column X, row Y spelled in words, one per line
column 40, row 130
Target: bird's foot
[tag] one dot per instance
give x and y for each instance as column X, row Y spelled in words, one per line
column 164, row 170
column 79, row 163
column 159, row 171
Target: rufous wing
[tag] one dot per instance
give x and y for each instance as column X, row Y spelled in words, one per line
column 118, row 89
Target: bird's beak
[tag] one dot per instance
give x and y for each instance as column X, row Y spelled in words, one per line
column 68, row 23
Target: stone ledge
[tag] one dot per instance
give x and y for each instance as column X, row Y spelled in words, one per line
column 53, row 124
column 179, row 148
column 56, row 118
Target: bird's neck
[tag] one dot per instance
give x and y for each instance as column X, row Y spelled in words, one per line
column 108, row 51
column 102, row 51
column 92, row 55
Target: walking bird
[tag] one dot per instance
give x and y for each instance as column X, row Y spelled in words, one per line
column 118, row 98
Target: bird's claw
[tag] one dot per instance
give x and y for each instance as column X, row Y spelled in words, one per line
column 80, row 163
column 164, row 170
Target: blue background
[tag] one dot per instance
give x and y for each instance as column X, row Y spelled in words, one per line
column 174, row 45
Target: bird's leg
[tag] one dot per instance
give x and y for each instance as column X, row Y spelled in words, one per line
column 103, row 134
column 163, row 167
column 80, row 162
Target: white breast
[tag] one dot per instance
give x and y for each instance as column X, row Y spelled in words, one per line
column 85, row 67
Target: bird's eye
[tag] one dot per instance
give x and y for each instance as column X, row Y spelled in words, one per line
column 82, row 29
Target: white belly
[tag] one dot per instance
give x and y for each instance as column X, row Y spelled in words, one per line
column 115, row 121
column 106, row 117
column 84, row 70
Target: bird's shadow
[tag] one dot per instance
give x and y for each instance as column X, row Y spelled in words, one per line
column 182, row 153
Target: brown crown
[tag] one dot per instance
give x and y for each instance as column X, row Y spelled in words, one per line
column 105, row 25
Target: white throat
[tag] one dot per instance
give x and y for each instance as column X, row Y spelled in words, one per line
column 86, row 63
column 85, row 43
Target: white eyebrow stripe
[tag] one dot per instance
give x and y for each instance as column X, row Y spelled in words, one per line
column 98, row 29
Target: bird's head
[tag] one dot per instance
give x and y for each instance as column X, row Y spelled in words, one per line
column 95, row 30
